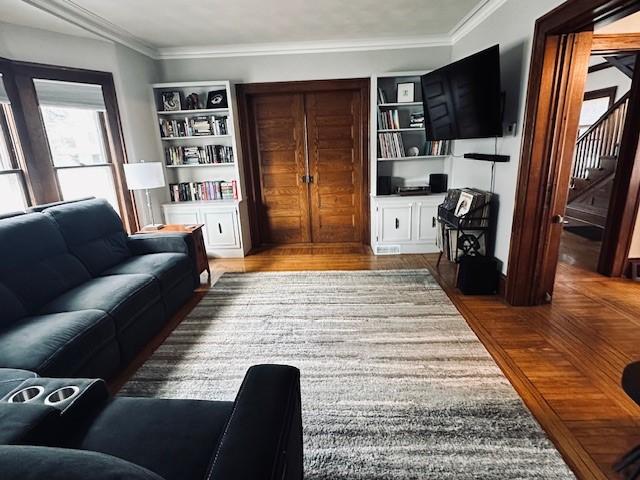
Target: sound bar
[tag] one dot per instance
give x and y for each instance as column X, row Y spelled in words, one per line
column 487, row 158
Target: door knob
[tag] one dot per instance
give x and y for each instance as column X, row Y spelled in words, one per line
column 557, row 218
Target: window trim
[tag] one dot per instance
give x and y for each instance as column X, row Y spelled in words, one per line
column 39, row 170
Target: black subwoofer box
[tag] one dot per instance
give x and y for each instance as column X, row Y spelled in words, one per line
column 438, row 182
column 478, row 275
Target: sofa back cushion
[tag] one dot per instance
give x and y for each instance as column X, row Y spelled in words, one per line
column 93, row 232
column 36, row 264
column 12, row 308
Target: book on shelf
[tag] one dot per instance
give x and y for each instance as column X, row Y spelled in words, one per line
column 382, row 97
column 390, row 145
column 388, row 120
column 193, row 126
column 209, row 190
column 200, row 155
column 437, row 147
column 416, row 120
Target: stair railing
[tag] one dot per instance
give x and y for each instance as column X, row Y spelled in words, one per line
column 602, row 139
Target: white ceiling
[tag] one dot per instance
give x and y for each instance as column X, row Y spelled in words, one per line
column 169, row 28
column 182, row 23
column 20, row 13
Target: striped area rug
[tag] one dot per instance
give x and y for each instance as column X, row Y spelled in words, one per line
column 395, row 385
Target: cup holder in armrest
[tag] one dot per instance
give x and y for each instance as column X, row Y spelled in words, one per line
column 27, row 394
column 62, row 394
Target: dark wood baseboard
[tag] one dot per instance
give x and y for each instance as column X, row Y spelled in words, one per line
column 502, row 285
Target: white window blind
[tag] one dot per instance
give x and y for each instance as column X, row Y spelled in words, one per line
column 52, row 93
column 4, row 98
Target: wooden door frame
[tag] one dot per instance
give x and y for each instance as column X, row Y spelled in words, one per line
column 536, row 184
column 250, row 166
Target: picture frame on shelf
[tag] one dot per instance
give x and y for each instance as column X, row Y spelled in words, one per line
column 406, row 92
column 192, row 102
column 171, row 101
column 217, row 99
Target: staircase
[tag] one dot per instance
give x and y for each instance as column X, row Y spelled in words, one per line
column 594, row 167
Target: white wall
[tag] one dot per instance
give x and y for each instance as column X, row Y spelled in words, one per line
column 132, row 73
column 512, row 27
column 316, row 66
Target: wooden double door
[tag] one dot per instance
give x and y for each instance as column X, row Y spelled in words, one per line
column 309, row 166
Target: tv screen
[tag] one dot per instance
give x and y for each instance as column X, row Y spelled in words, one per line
column 464, row 99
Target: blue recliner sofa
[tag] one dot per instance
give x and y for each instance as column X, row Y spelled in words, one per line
column 79, row 297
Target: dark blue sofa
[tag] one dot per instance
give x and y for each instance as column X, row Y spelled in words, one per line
column 94, row 436
column 79, row 297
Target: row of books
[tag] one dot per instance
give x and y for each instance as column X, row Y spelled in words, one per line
column 437, row 147
column 204, row 155
column 193, row 126
column 390, row 145
column 388, row 119
column 210, row 190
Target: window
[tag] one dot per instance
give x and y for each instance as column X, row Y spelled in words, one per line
column 70, row 136
column 75, row 124
column 12, row 192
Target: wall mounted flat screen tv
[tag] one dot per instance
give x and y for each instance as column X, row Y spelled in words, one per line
column 464, row 99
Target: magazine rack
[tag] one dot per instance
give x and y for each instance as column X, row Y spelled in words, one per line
column 471, row 232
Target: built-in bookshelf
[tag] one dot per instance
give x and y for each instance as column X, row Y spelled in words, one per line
column 195, row 137
column 401, row 156
column 401, row 149
column 197, row 134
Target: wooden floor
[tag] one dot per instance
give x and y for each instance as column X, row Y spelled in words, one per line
column 564, row 359
column 579, row 251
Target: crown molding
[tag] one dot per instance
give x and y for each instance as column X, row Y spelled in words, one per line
column 292, row 48
column 475, row 17
column 76, row 15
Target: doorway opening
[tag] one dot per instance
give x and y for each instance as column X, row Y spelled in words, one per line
column 601, row 124
column 563, row 44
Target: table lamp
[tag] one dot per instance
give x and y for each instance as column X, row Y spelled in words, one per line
column 145, row 176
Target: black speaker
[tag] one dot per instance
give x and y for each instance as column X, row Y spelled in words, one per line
column 438, row 182
column 477, row 275
column 384, row 185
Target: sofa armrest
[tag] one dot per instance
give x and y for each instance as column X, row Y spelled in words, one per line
column 263, row 437
column 26, row 463
column 145, row 243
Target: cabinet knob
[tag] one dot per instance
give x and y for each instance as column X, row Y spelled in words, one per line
column 220, row 228
column 397, row 223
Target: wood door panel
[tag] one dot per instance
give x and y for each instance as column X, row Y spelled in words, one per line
column 284, row 201
column 336, row 164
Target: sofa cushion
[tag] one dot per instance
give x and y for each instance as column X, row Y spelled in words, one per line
column 174, row 438
column 37, row 463
column 55, row 344
column 12, row 308
column 36, row 263
column 167, row 268
column 123, row 297
column 93, row 231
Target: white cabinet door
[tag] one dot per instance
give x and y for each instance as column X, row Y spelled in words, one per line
column 427, row 214
column 221, row 228
column 181, row 216
column 395, row 223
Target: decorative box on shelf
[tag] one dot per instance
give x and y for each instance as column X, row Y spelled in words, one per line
column 198, row 131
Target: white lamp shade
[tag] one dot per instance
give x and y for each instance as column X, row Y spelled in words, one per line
column 142, row 176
